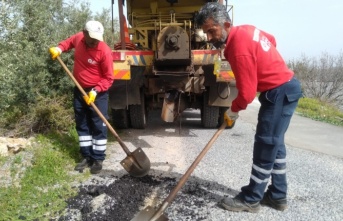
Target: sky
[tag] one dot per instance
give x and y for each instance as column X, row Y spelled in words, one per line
column 301, row 27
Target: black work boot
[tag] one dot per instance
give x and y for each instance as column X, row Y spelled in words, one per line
column 278, row 204
column 238, row 204
column 86, row 162
column 96, row 167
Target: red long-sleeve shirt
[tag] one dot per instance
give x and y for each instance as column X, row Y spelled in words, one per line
column 255, row 62
column 93, row 67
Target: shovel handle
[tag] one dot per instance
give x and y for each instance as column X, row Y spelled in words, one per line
column 184, row 178
column 122, row 144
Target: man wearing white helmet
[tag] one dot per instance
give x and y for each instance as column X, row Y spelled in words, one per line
column 93, row 69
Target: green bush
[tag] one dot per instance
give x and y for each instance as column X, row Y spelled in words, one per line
column 47, row 115
column 27, row 72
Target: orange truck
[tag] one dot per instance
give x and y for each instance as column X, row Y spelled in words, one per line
column 164, row 62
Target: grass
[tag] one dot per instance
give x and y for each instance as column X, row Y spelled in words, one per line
column 41, row 190
column 320, row 111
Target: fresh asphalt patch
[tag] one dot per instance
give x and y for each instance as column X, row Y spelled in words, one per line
column 127, row 195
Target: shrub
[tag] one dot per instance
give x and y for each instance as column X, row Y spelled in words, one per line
column 47, row 115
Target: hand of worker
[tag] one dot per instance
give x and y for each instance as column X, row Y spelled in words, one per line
column 91, row 96
column 55, row 52
column 230, row 117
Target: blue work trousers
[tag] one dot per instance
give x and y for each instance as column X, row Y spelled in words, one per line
column 91, row 129
column 269, row 154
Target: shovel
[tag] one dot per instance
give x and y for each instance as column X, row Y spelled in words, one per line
column 136, row 163
column 151, row 214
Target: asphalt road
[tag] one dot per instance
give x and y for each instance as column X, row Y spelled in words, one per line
column 314, row 164
column 305, row 133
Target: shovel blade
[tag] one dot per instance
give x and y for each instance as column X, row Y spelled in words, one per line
column 147, row 214
column 137, row 163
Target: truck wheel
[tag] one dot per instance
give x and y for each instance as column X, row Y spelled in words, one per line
column 209, row 114
column 120, row 119
column 138, row 114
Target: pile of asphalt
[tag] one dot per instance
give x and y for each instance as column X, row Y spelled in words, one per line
column 123, row 198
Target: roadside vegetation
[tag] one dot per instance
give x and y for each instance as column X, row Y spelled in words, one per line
column 35, row 96
column 40, row 178
column 320, row 111
column 322, row 82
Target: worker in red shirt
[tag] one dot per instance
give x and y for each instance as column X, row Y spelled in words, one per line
column 258, row 67
column 93, row 69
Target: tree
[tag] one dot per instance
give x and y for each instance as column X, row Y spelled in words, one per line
column 28, row 28
column 322, row 77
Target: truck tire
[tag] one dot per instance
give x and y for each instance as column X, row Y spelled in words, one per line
column 138, row 114
column 120, row 119
column 209, row 114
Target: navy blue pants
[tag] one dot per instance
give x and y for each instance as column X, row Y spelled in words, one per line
column 269, row 154
column 91, row 129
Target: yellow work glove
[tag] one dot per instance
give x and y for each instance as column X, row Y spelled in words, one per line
column 230, row 118
column 91, row 96
column 55, row 52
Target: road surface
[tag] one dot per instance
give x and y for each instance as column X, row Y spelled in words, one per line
column 314, row 170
